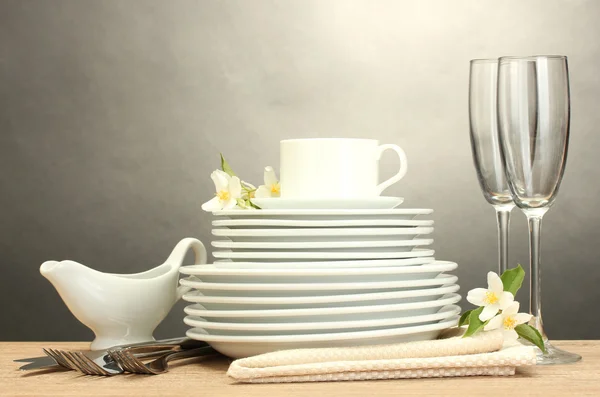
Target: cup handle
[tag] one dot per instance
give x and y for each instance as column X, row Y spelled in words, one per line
column 403, row 166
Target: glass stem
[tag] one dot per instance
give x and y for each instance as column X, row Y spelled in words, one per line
column 535, row 302
column 503, row 218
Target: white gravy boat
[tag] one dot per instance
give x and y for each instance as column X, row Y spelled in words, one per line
column 122, row 308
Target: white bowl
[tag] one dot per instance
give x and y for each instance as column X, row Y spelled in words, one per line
column 238, row 346
column 295, row 235
column 257, row 274
column 321, row 326
column 234, row 300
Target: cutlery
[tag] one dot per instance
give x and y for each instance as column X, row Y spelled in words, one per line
column 102, row 359
column 47, row 362
column 160, row 365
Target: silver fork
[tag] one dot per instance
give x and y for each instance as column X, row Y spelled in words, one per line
column 81, row 362
column 88, row 362
column 132, row 363
column 102, row 362
column 60, row 360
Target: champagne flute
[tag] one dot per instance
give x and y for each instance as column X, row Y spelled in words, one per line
column 486, row 148
column 533, row 124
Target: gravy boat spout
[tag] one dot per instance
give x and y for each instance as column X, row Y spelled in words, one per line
column 121, row 308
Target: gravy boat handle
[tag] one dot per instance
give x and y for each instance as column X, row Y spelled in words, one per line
column 178, row 254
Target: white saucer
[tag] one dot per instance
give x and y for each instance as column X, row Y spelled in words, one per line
column 340, row 313
column 346, row 246
column 444, row 313
column 320, row 234
column 235, row 289
column 238, row 346
column 339, row 214
column 281, row 203
column 293, row 256
column 269, row 223
column 418, row 256
column 349, row 298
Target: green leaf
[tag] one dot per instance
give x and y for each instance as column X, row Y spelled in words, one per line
column 464, row 318
column 531, row 334
column 475, row 324
column 225, row 166
column 512, row 279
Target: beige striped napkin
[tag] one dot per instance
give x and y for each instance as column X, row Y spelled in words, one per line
column 482, row 354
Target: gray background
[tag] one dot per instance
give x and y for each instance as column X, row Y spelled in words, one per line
column 112, row 115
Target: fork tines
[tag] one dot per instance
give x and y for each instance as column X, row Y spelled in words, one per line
column 129, row 363
column 77, row 361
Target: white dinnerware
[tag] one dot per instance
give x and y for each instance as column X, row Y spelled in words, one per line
column 319, row 271
column 339, row 168
column 237, row 300
column 310, row 327
column 215, row 274
column 258, row 223
column 418, row 257
column 326, row 313
column 283, row 203
column 320, row 234
column 322, row 288
column 238, row 346
column 111, row 305
column 317, row 246
column 326, row 214
column 293, row 256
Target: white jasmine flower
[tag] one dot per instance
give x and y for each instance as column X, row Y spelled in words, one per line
column 271, row 188
column 508, row 320
column 494, row 298
column 229, row 189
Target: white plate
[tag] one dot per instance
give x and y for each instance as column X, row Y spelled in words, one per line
column 315, row 285
column 283, row 256
column 404, row 213
column 238, row 346
column 214, row 274
column 270, row 223
column 247, row 301
column 281, row 203
column 417, row 256
column 310, row 327
column 316, row 246
column 366, row 311
column 320, row 234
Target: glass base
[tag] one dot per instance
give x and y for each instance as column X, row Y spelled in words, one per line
column 555, row 356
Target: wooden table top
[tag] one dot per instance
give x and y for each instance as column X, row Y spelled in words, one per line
column 208, row 378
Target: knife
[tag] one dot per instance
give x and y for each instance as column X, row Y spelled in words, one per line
column 43, row 364
column 30, row 359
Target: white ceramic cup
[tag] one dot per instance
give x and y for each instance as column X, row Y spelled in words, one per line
column 334, row 168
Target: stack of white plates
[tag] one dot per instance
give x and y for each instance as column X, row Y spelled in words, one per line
column 288, row 279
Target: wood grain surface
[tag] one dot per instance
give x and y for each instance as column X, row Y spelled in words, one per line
column 207, row 377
